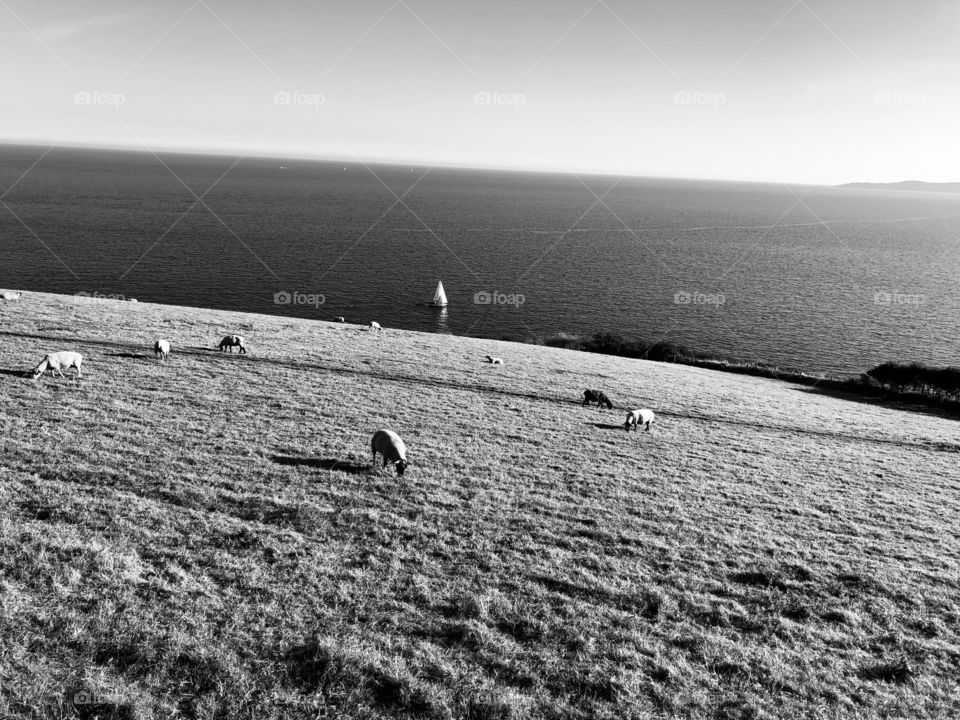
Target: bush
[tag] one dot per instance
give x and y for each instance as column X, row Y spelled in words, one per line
column 937, row 383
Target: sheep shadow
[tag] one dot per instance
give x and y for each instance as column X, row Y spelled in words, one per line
column 608, row 426
column 322, row 463
column 207, row 349
column 16, row 373
column 130, row 355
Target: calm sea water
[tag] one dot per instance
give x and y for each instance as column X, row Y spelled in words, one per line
column 826, row 279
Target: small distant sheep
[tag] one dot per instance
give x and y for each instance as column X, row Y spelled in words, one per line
column 11, row 295
column 644, row 416
column 339, row 319
column 389, row 444
column 56, row 362
column 232, row 341
column 161, row 348
column 494, row 360
column 132, row 300
column 598, row 397
column 375, row 326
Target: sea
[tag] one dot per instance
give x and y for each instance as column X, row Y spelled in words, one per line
column 824, row 279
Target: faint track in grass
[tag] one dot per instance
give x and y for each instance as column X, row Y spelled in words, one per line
column 129, row 350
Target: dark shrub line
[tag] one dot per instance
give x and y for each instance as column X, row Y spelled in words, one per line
column 940, row 384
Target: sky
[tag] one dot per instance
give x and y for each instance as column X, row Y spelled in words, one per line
column 809, row 91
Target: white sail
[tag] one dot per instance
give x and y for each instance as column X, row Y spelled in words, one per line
column 439, row 297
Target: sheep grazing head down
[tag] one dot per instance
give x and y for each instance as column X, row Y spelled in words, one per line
column 401, row 465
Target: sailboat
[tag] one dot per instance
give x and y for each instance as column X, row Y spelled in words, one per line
column 439, row 297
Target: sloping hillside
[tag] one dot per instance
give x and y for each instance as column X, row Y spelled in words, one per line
column 205, row 538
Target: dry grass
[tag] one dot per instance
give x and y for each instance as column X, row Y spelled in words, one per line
column 205, row 539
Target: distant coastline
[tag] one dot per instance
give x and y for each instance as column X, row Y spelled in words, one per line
column 907, row 185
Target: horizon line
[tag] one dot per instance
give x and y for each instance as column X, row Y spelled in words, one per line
column 408, row 162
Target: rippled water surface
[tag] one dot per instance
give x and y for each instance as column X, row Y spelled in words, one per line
column 821, row 278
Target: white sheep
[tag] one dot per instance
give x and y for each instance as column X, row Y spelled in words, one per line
column 389, row 444
column 11, row 295
column 644, row 416
column 375, row 326
column 161, row 348
column 232, row 341
column 339, row 319
column 494, row 360
column 56, row 362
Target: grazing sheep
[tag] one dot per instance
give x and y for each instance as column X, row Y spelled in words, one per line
column 132, row 300
column 494, row 360
column 644, row 416
column 375, row 326
column 339, row 319
column 389, row 444
column 56, row 362
column 598, row 397
column 11, row 295
column 232, row 341
column 161, row 348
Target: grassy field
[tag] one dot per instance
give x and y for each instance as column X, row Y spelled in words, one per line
column 205, row 538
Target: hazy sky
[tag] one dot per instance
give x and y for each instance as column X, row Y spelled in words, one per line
column 812, row 91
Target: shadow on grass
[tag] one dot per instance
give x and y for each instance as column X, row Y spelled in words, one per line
column 16, row 373
column 889, row 403
column 132, row 356
column 898, row 671
column 315, row 666
column 322, row 463
column 608, row 426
